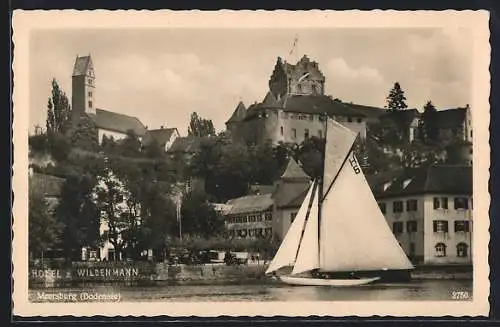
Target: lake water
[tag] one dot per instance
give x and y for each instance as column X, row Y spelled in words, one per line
column 434, row 290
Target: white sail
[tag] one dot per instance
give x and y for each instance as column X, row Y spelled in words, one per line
column 354, row 235
column 308, row 256
column 339, row 141
column 287, row 252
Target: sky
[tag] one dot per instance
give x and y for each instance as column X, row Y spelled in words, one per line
column 162, row 75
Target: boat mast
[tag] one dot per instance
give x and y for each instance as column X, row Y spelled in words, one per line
column 320, row 185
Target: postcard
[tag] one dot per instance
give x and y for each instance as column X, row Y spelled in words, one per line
column 251, row 163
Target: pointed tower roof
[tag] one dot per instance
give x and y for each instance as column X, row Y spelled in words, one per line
column 294, row 171
column 238, row 113
column 81, row 65
column 270, row 100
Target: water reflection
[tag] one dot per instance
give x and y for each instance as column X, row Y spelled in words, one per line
column 434, row 290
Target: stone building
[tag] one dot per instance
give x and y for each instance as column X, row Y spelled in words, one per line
column 164, row 137
column 293, row 109
column 430, row 212
column 83, row 102
column 271, row 209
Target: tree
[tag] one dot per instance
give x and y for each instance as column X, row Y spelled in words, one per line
column 418, row 154
column 396, row 98
column 119, row 212
column 429, row 125
column 264, row 164
column 44, row 229
column 79, row 215
column 200, row 127
column 58, row 110
column 310, row 153
column 199, row 217
column 130, row 146
column 84, row 134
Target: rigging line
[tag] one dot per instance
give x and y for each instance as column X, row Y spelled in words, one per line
column 309, row 206
column 341, row 166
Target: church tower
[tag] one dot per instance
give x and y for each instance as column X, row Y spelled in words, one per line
column 83, row 87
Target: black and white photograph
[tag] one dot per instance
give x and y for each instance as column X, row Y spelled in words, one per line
column 248, row 163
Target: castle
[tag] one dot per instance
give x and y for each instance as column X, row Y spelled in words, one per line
column 295, row 106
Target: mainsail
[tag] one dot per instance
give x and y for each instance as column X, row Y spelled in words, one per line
column 287, row 252
column 354, row 235
column 308, row 255
column 339, row 140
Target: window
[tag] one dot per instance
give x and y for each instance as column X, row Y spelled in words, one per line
column 470, row 151
column 299, row 88
column 320, row 134
column 349, row 119
column 90, row 93
column 292, row 216
column 294, row 133
column 436, row 203
column 461, row 203
column 411, row 205
column 90, row 104
column 444, row 203
column 440, row 250
column 462, row 226
column 311, row 117
column 441, row 203
column 306, row 133
column 411, row 226
column 269, row 216
column 281, row 130
column 440, row 226
column 382, row 207
column 471, row 134
column 90, row 81
column 397, row 227
column 314, row 91
column 462, row 250
column 359, row 120
column 397, row 206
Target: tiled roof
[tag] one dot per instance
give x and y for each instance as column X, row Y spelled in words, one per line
column 250, row 203
column 309, row 104
column 116, row 122
column 261, row 189
column 294, row 171
column 368, row 111
column 238, row 113
column 81, row 65
column 186, row 144
column 161, row 135
column 451, row 179
column 405, row 116
column 317, row 104
column 48, row 185
column 451, row 118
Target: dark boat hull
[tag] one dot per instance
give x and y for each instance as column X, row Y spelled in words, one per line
column 386, row 276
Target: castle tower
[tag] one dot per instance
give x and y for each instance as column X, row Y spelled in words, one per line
column 303, row 78
column 83, row 87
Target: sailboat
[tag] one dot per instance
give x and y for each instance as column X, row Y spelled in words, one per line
column 339, row 236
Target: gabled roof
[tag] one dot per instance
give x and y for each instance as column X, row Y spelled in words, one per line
column 81, row 65
column 48, row 185
column 438, row 179
column 405, row 116
column 451, row 118
column 257, row 189
column 185, row 144
column 161, row 136
column 250, row 203
column 293, row 171
column 116, row 122
column 368, row 111
column 238, row 113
